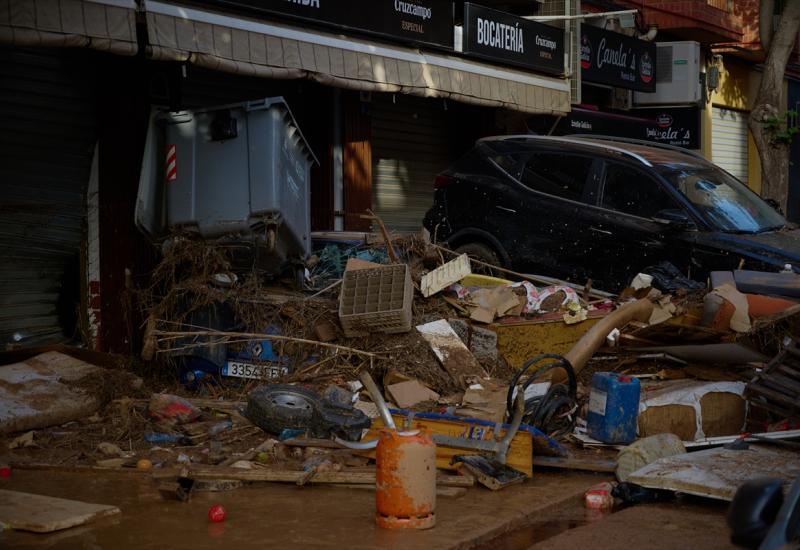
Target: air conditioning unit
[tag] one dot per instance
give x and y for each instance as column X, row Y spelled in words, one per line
column 677, row 75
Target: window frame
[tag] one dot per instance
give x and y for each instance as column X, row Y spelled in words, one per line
column 656, row 178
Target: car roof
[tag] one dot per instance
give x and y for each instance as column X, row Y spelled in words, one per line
column 644, row 152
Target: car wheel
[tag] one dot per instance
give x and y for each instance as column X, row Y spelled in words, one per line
column 482, row 253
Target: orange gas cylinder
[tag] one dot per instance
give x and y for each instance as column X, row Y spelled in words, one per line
column 405, row 481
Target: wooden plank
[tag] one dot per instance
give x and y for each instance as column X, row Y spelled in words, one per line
column 290, row 476
column 454, row 356
column 43, row 514
column 75, row 469
column 576, row 463
column 520, row 452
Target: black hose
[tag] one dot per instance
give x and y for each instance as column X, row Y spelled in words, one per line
column 553, row 413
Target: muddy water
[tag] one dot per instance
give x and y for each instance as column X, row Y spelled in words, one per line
column 557, row 520
column 256, row 517
column 287, row 516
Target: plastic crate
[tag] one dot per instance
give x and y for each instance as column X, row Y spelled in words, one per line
column 376, row 300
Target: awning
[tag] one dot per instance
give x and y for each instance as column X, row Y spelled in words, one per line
column 106, row 25
column 250, row 47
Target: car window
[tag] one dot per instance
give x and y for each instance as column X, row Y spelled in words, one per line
column 723, row 200
column 557, row 174
column 634, row 192
column 509, row 163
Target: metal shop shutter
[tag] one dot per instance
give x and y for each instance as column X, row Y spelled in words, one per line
column 729, row 141
column 47, row 138
column 410, row 145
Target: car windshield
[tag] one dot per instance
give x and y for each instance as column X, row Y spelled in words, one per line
column 723, row 200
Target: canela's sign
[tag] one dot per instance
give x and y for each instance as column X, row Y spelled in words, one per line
column 617, row 60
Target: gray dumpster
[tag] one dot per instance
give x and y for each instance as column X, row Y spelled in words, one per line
column 236, row 172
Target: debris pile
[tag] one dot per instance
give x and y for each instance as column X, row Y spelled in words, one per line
column 260, row 383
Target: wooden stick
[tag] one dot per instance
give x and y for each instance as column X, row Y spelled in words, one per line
column 326, row 289
column 258, row 336
column 389, row 248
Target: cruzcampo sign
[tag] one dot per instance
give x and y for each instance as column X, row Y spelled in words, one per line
column 427, row 22
column 617, row 60
column 498, row 36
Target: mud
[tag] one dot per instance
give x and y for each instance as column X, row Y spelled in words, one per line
column 693, row 523
column 279, row 516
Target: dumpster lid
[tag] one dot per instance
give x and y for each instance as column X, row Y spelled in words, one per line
column 265, row 104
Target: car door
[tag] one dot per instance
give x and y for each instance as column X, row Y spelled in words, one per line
column 550, row 207
column 625, row 230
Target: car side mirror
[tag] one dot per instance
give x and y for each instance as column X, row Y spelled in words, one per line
column 674, row 217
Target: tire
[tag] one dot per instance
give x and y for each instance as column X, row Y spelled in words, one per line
column 482, row 253
column 276, row 407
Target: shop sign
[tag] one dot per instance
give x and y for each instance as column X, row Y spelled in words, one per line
column 417, row 21
column 499, row 36
column 674, row 126
column 617, row 60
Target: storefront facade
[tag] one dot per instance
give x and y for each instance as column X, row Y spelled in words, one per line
column 386, row 93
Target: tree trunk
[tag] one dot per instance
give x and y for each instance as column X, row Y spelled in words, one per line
column 770, row 103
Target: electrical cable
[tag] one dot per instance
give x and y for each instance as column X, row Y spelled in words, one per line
column 554, row 413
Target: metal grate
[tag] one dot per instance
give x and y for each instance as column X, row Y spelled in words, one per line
column 664, row 64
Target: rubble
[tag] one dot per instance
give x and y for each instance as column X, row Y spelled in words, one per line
column 454, row 365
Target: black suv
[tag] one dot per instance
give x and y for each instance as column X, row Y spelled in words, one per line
column 604, row 208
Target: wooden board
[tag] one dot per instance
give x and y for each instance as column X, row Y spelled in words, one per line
column 520, row 452
column 717, row 473
column 454, row 356
column 42, row 514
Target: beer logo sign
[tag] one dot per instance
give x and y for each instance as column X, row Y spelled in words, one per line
column 586, row 52
column 664, row 120
column 646, row 68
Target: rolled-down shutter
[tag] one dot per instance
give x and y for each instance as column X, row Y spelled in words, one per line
column 47, row 137
column 410, row 145
column 729, row 141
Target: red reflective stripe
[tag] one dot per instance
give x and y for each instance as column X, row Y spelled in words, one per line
column 172, row 163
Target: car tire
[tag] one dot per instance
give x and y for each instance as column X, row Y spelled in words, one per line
column 275, row 407
column 482, row 253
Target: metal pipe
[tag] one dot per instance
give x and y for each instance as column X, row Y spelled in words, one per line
column 338, row 162
column 377, row 398
column 519, row 411
column 368, row 445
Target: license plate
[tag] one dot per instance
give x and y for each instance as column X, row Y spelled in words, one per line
column 240, row 369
